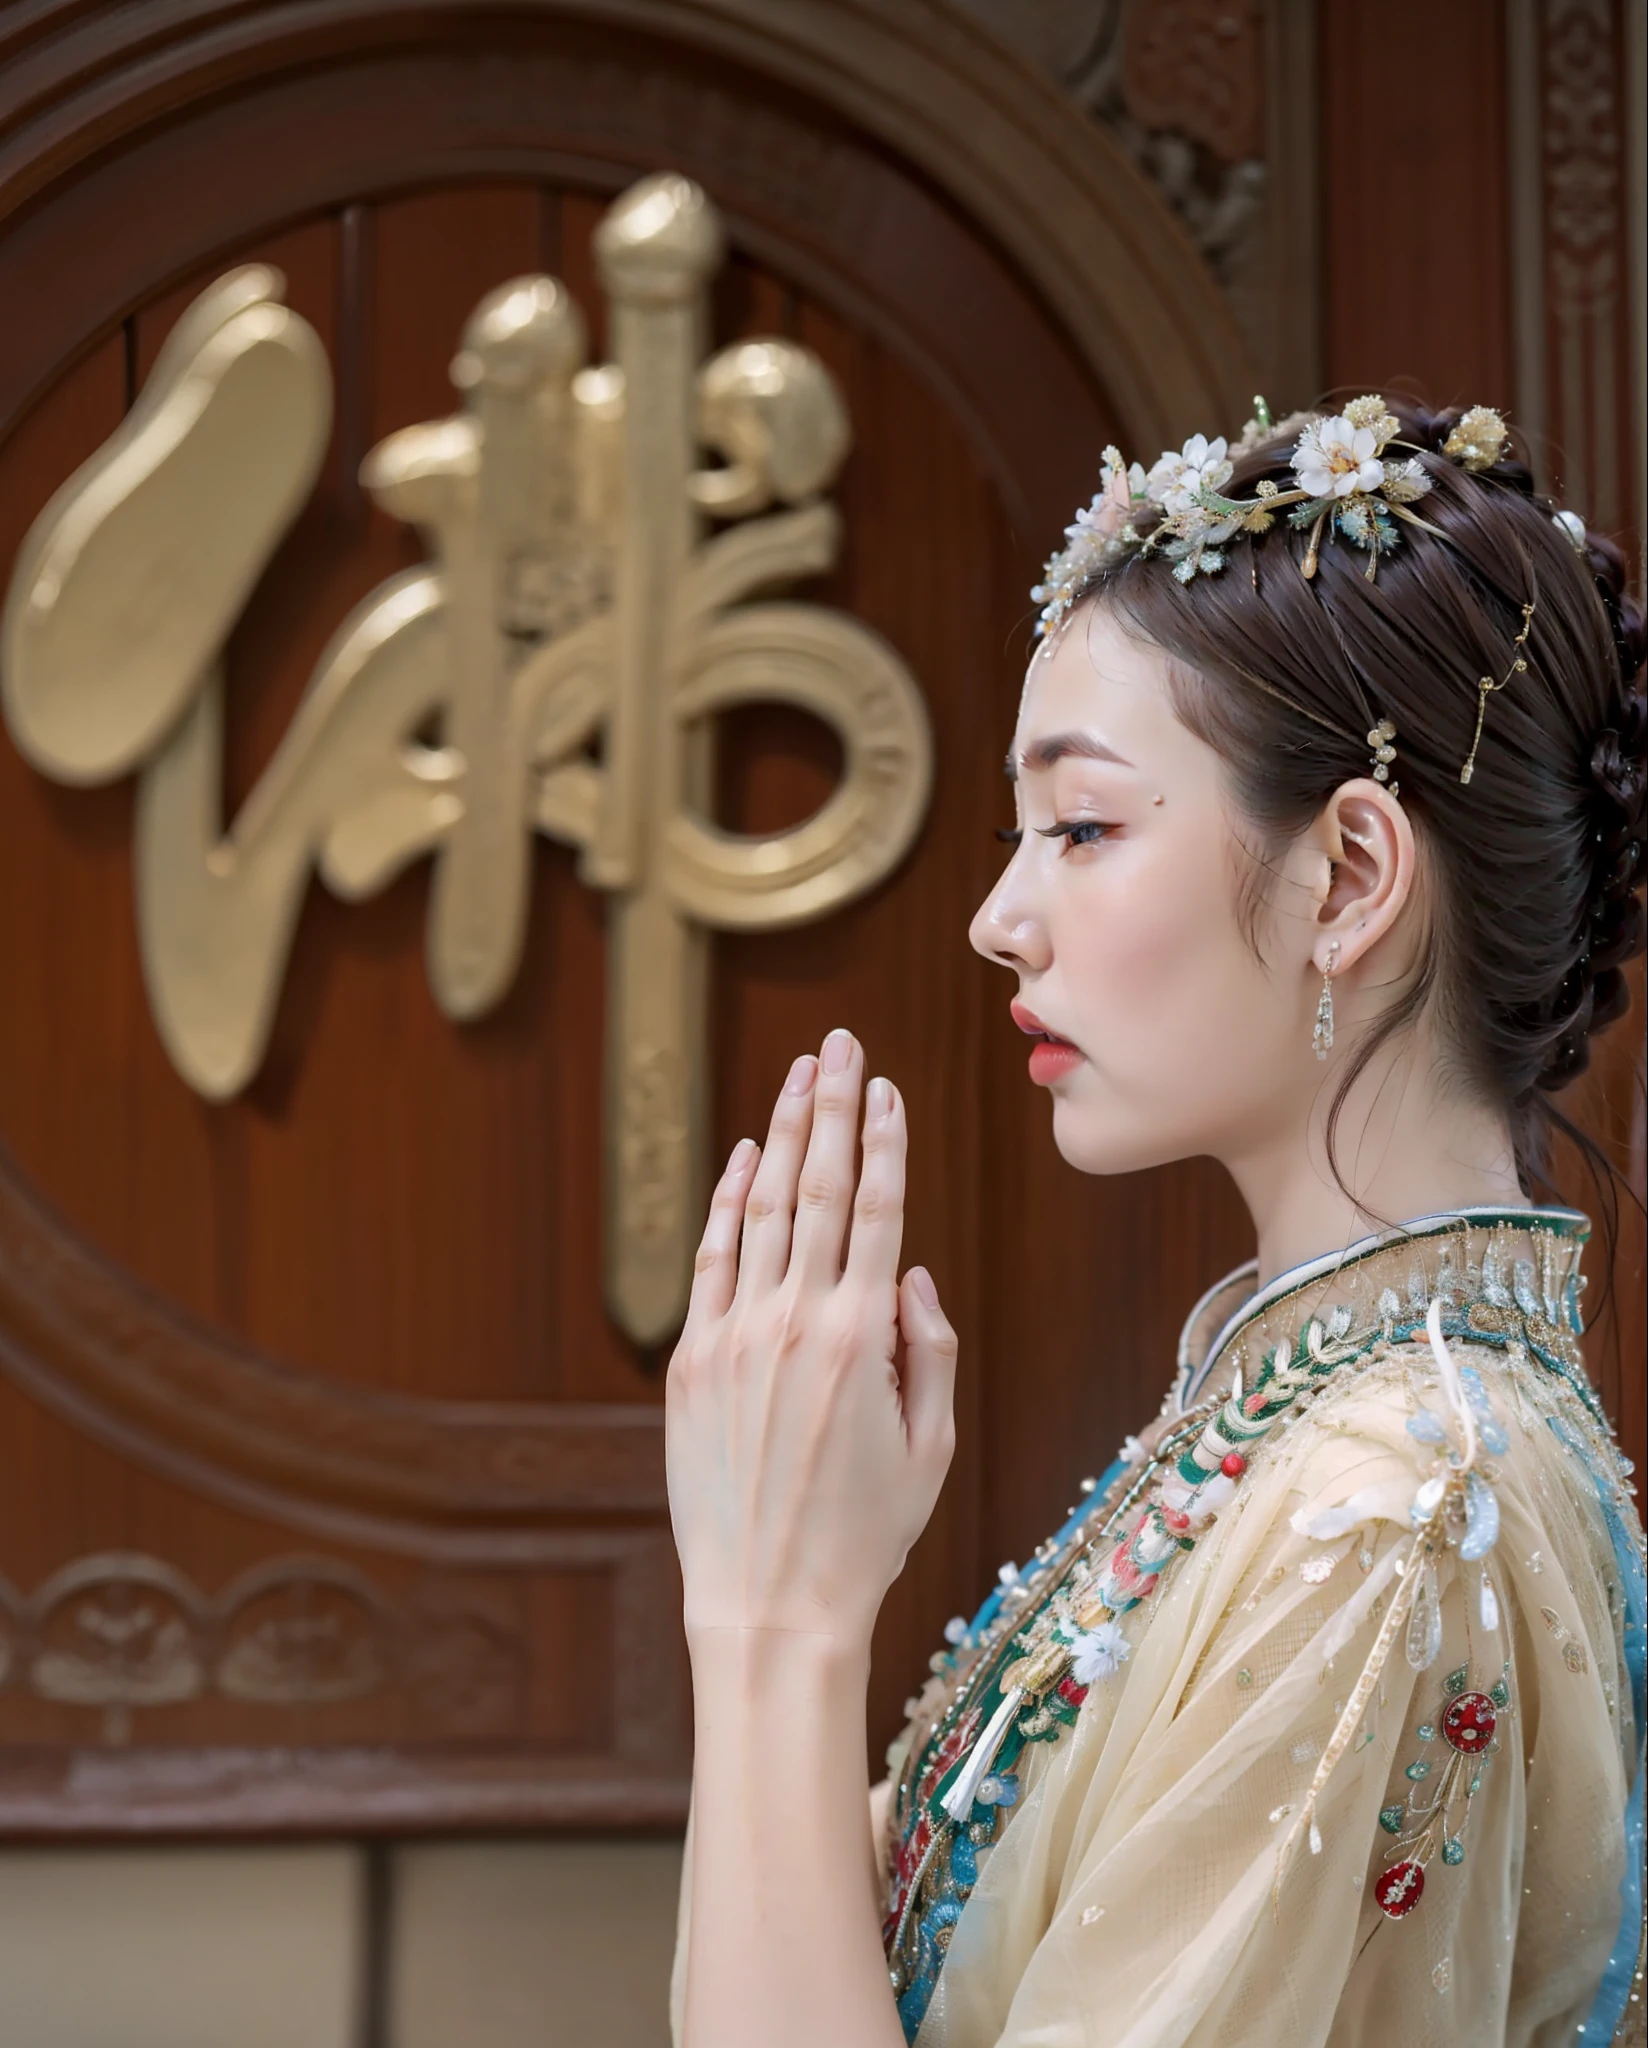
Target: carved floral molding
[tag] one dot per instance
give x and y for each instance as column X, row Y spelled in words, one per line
column 123, row 1632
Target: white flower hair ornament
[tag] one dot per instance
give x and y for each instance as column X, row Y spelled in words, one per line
column 1100, row 534
column 1345, row 485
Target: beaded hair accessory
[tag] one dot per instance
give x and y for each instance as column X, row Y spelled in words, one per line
column 1346, row 487
column 1486, row 687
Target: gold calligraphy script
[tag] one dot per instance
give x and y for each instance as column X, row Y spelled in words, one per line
column 556, row 667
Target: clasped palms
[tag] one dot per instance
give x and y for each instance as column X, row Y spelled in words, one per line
column 809, row 1401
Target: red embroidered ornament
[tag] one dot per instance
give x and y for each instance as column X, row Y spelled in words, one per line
column 906, row 1862
column 1469, row 1723
column 1399, row 1889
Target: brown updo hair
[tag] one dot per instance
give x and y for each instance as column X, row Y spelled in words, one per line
column 1537, row 863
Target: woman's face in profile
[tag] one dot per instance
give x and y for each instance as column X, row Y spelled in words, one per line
column 1118, row 912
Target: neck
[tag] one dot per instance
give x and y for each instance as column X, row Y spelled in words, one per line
column 1404, row 1147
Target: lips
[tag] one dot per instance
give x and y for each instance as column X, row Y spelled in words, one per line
column 1032, row 1026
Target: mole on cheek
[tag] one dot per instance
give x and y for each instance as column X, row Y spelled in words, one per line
column 1158, row 799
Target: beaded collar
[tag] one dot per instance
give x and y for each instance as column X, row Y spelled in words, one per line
column 1464, row 1255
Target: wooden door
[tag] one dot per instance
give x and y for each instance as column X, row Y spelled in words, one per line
column 331, row 1497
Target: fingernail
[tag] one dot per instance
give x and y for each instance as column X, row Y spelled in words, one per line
column 838, row 1050
column 879, row 1099
column 922, row 1281
column 742, row 1153
column 801, row 1075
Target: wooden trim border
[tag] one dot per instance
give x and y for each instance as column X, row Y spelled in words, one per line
column 1087, row 228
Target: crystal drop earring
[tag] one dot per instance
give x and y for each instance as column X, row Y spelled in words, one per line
column 1321, row 1039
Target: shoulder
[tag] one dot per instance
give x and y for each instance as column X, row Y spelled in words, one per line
column 1412, row 1403
column 1519, row 1421
column 1409, row 1451
column 1376, row 1444
column 1352, row 1439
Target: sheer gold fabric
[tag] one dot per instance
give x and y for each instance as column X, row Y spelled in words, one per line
column 1136, row 1899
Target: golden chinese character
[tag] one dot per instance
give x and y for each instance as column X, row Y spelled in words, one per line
column 590, row 585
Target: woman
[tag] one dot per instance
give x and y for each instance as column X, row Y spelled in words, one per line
column 1320, row 1720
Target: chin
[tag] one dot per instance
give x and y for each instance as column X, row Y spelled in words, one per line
column 1094, row 1139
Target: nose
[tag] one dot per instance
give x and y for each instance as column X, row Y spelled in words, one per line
column 1005, row 928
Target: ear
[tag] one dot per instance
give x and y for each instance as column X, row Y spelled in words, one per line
column 1366, row 874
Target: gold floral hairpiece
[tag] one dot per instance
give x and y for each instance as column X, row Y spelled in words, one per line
column 1345, row 485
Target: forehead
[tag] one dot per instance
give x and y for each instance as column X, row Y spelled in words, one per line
column 1095, row 676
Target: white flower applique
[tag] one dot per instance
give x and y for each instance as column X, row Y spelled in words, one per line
column 1344, row 477
column 1334, row 458
column 1175, row 481
column 1098, row 534
column 1098, row 1652
column 1196, row 521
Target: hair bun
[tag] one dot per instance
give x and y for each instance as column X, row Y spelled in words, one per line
column 1618, row 768
column 1567, row 1059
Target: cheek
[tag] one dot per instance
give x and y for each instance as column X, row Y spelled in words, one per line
column 1161, row 928
column 1126, row 960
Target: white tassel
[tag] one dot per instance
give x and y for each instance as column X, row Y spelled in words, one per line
column 1490, row 1606
column 1450, row 1382
column 958, row 1801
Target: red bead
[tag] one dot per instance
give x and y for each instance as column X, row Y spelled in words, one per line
column 1233, row 1464
column 1469, row 1723
column 1399, row 1889
column 1175, row 1519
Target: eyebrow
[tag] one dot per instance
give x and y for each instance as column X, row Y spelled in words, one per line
column 1060, row 744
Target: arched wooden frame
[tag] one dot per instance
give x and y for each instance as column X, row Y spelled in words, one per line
column 1088, row 229
column 104, row 115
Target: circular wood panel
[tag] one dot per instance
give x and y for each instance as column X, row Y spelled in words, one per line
column 362, row 1300
column 397, row 1199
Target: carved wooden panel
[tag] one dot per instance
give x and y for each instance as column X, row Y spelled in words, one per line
column 331, row 1496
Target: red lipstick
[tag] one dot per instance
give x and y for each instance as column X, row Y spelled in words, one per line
column 1051, row 1056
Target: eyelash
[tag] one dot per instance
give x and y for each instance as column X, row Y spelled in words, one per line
column 1067, row 828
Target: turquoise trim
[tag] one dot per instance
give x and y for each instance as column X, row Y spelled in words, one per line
column 952, row 1843
column 1078, row 1515
column 1614, row 1993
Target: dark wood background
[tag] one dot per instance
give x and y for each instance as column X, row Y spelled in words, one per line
column 346, row 1330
